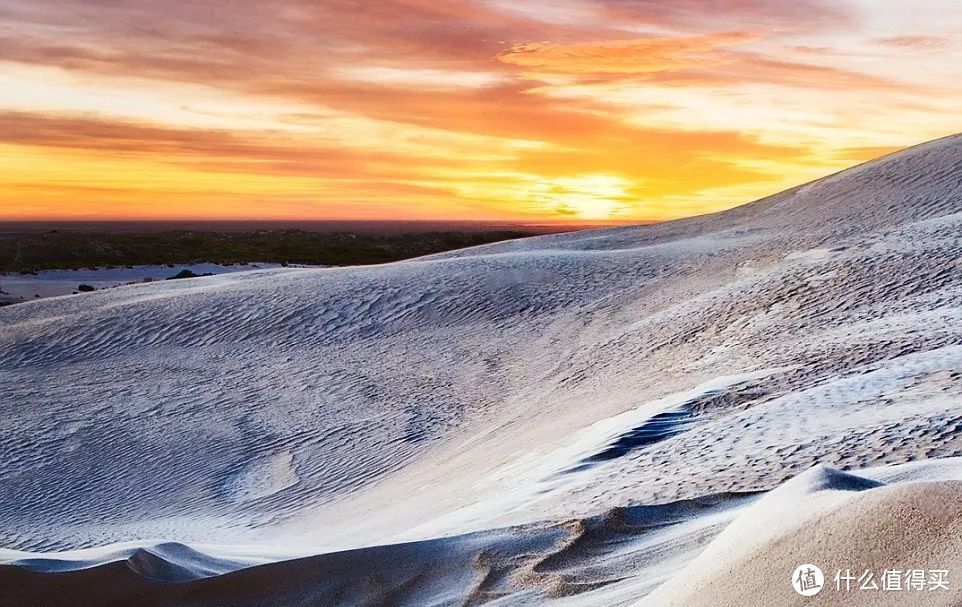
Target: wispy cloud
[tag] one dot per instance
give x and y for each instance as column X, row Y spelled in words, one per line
column 630, row 57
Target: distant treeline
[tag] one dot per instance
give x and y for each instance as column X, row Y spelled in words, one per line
column 65, row 250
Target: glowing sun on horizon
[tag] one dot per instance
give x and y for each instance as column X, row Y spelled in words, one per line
column 588, row 197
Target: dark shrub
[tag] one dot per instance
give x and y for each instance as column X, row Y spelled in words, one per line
column 186, row 274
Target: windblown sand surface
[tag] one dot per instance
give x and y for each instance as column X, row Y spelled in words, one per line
column 846, row 525
column 569, row 419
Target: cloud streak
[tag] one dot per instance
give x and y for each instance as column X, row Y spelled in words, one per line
column 625, row 57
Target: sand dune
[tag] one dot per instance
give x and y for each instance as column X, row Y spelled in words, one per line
column 454, row 429
column 839, row 520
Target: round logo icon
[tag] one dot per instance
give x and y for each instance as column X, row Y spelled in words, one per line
column 807, row 580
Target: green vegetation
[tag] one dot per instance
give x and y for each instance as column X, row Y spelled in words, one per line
column 64, row 250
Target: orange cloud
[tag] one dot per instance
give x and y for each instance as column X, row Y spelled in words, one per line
column 921, row 41
column 638, row 56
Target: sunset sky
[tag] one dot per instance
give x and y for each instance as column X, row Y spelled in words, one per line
column 535, row 110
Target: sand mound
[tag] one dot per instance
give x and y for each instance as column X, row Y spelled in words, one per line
column 839, row 523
